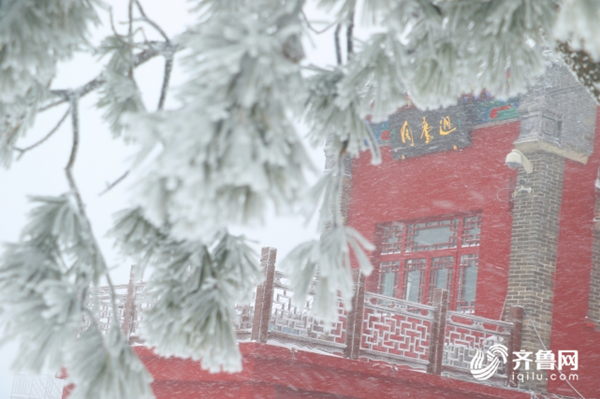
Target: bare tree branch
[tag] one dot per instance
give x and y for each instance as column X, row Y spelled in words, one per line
column 74, row 100
column 151, row 22
column 338, row 48
column 22, row 151
column 113, row 184
column 73, row 156
column 51, row 105
column 130, row 37
column 318, row 32
column 130, row 19
column 165, row 84
column 349, row 39
column 158, row 48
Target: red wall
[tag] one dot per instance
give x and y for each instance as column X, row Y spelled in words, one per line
column 474, row 178
column 571, row 330
column 277, row 372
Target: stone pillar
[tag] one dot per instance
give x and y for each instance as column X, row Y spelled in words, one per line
column 438, row 332
column 264, row 296
column 354, row 325
column 515, row 316
column 533, row 251
column 557, row 123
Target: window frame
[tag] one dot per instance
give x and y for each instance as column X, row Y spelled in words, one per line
column 426, row 284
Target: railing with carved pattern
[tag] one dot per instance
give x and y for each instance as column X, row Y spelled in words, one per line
column 379, row 328
column 244, row 316
column 37, row 387
column 104, row 305
column 466, row 333
column 295, row 324
column 396, row 330
column 139, row 302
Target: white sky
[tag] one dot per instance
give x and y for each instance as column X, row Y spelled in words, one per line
column 102, row 159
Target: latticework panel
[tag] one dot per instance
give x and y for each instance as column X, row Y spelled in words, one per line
column 141, row 302
column 466, row 333
column 99, row 300
column 298, row 323
column 245, row 316
column 36, row 387
column 396, row 328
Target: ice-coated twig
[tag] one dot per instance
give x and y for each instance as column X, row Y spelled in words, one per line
column 113, row 184
column 156, row 48
column 22, row 151
column 80, row 205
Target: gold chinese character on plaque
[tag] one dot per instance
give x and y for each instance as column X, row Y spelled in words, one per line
column 425, row 131
column 406, row 134
column 446, row 126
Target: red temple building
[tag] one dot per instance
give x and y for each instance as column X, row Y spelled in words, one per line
column 472, row 256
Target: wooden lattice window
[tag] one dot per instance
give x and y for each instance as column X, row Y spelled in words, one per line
column 418, row 256
column 441, row 274
column 428, row 236
column 414, row 270
column 471, row 231
column 467, row 283
column 388, row 278
column 391, row 241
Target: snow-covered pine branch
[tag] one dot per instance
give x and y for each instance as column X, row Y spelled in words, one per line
column 194, row 288
column 120, row 94
column 44, row 282
column 105, row 367
column 229, row 150
column 330, row 115
column 328, row 260
column 33, row 38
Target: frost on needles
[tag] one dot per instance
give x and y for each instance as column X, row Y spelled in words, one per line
column 231, row 148
column 45, row 298
column 34, row 37
column 228, row 150
column 193, row 289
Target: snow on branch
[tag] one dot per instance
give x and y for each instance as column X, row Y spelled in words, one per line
column 328, row 112
column 43, row 280
column 120, row 93
column 194, row 293
column 106, row 367
column 328, row 259
column 231, row 149
column 34, row 38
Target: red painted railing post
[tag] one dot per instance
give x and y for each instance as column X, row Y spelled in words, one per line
column 438, row 331
column 515, row 316
column 355, row 318
column 264, row 296
column 128, row 311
